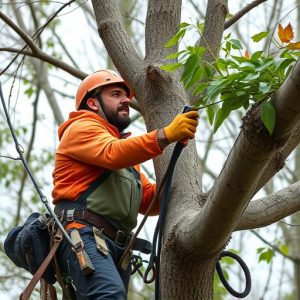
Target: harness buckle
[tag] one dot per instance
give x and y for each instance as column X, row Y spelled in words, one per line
column 121, row 238
column 70, row 215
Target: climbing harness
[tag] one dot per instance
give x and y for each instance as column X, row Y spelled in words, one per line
column 154, row 261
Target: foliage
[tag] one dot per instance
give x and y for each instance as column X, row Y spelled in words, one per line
column 234, row 81
column 267, row 254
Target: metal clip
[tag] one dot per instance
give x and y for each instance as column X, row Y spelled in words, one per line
column 70, row 215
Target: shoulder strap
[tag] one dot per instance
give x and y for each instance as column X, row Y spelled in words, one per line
column 80, row 202
column 94, row 186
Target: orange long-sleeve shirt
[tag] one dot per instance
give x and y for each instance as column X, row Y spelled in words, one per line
column 89, row 145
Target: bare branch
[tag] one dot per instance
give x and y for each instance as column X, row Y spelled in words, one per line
column 242, row 12
column 272, row 208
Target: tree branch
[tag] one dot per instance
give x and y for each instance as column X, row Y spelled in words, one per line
column 116, row 40
column 162, row 22
column 242, row 12
column 252, row 152
column 272, row 208
column 36, row 51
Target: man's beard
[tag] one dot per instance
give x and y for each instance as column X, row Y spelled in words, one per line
column 116, row 120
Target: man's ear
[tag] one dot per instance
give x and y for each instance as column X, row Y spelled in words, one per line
column 92, row 104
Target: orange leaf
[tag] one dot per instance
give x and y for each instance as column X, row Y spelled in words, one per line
column 247, row 55
column 294, row 46
column 285, row 34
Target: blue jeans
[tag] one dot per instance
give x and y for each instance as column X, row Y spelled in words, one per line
column 107, row 282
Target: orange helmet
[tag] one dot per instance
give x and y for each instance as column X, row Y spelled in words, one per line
column 97, row 79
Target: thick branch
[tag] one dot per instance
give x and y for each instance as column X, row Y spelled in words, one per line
column 278, row 161
column 252, row 152
column 270, row 209
column 162, row 22
column 116, row 40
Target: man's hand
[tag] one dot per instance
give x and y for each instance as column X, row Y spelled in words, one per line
column 182, row 127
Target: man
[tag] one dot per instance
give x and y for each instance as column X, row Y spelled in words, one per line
column 97, row 183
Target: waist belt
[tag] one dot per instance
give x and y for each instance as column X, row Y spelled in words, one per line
column 120, row 237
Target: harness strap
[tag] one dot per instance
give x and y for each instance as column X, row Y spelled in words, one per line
column 38, row 275
column 79, row 203
column 120, row 237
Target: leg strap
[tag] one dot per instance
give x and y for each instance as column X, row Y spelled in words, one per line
column 38, row 275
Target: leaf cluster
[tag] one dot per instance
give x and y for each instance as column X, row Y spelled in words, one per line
column 234, row 80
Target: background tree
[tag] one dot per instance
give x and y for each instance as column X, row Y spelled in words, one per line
column 200, row 222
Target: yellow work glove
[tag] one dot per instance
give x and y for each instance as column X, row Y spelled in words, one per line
column 182, row 127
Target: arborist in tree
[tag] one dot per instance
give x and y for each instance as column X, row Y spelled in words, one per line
column 98, row 187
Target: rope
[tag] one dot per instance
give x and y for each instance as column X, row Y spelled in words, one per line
column 225, row 282
column 37, row 188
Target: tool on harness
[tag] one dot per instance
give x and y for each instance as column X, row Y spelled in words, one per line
column 85, row 263
column 103, row 228
column 100, row 241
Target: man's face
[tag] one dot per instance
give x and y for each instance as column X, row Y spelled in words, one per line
column 115, row 105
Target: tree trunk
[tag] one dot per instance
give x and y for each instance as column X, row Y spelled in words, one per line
column 186, row 276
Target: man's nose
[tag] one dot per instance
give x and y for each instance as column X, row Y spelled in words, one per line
column 125, row 100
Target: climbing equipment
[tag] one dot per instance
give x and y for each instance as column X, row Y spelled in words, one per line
column 96, row 80
column 244, row 268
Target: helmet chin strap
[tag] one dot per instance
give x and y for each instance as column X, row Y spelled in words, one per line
column 100, row 100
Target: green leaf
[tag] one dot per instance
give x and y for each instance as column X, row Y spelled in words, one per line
column 171, row 67
column 220, row 118
column 175, row 39
column 211, row 114
column 255, row 56
column 259, row 36
column 183, row 25
column 236, row 44
column 175, row 55
column 197, row 75
column 282, row 63
column 265, row 65
column 267, row 115
column 284, row 249
column 189, row 67
column 233, row 101
column 266, row 255
column 200, row 88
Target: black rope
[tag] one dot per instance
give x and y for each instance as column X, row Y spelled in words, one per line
column 20, row 151
column 154, row 261
column 225, row 282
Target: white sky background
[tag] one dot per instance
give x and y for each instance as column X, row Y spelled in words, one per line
column 73, row 33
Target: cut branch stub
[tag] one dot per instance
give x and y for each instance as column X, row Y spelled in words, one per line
column 257, row 133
